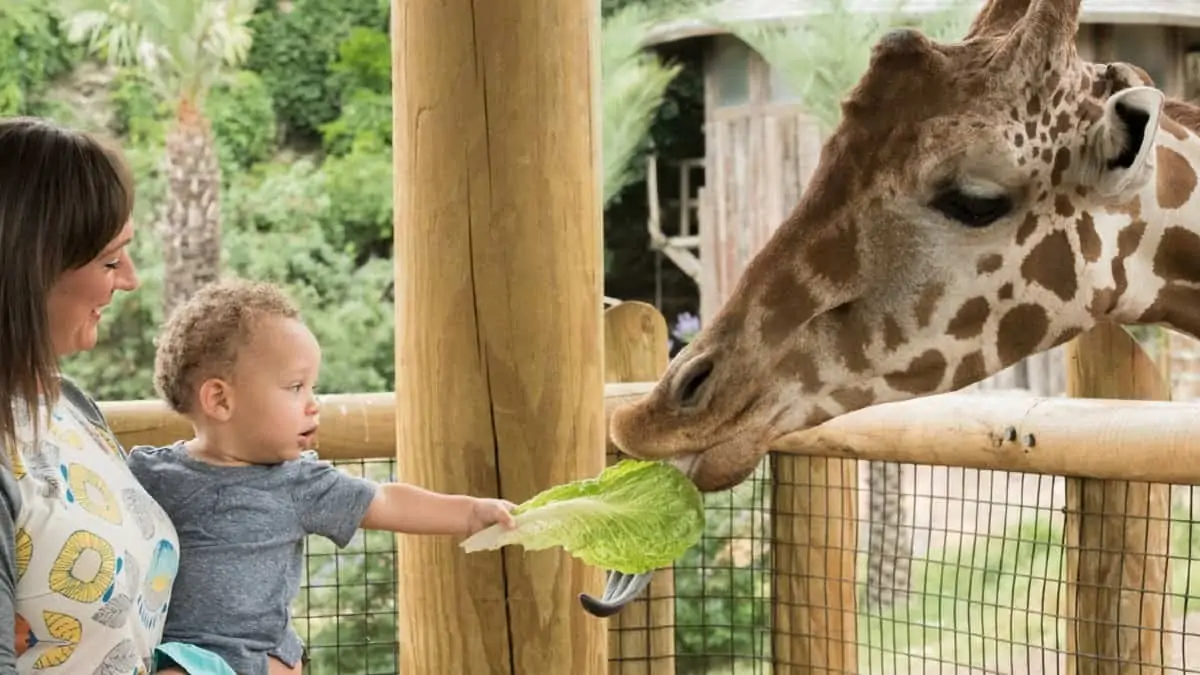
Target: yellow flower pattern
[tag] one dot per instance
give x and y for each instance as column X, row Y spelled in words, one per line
column 88, row 540
column 84, row 567
column 64, row 632
column 92, row 493
column 24, row 552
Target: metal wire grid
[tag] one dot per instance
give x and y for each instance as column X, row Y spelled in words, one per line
column 346, row 611
column 954, row 571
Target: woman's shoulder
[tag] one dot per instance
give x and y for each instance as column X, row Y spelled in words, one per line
column 76, row 396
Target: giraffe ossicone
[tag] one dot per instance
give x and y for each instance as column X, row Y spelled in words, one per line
column 979, row 202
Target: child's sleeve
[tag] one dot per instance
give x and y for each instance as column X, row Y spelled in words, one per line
column 329, row 502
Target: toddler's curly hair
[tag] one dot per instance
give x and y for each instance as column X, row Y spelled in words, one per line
column 203, row 336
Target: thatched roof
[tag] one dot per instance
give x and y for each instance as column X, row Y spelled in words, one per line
column 1157, row 12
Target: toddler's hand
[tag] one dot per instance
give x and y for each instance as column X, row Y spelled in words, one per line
column 487, row 512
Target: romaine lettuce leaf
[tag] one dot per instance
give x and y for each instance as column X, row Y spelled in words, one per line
column 634, row 517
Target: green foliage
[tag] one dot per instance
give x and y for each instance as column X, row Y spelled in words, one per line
column 824, row 54
column 359, row 188
column 138, row 113
column 294, row 52
column 243, row 121
column 183, row 46
column 363, row 73
column 633, row 85
column 722, row 585
column 33, row 52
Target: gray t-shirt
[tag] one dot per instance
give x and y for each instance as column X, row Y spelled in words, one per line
column 241, row 537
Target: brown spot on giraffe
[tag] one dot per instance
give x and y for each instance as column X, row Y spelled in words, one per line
column 1089, row 238
column 817, row 416
column 1005, row 292
column 1019, row 140
column 1028, row 227
column 1022, row 329
column 989, row 263
column 1174, row 128
column 1063, row 206
column 1177, row 305
column 928, row 302
column 893, row 335
column 853, row 340
column 969, row 371
column 801, row 367
column 1062, row 161
column 1033, row 106
column 786, row 305
column 1176, row 179
column 854, row 397
column 923, row 375
column 1128, row 241
column 1178, row 113
column 1064, row 124
column 1051, row 265
column 835, row 256
column 1089, row 111
column 968, row 322
column 1175, row 259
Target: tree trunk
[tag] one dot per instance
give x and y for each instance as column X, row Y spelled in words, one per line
column 890, row 538
column 190, row 227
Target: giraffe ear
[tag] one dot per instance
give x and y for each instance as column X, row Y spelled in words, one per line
column 1123, row 142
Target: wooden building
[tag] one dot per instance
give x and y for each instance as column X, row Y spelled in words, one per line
column 762, row 147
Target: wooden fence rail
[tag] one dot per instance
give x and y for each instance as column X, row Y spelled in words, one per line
column 1092, row 439
column 1085, row 438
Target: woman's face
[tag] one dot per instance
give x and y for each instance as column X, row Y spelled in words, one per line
column 80, row 295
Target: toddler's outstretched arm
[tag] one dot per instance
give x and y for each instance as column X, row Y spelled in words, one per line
column 412, row 510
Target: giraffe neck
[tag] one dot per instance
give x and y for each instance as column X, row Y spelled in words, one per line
column 1147, row 267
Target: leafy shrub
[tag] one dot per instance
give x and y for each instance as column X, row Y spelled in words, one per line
column 294, row 51
column 243, row 121
column 138, row 114
column 33, row 52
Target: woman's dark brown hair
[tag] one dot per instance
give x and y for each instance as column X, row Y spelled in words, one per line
column 64, row 197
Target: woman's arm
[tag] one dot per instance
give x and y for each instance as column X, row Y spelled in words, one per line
column 10, row 505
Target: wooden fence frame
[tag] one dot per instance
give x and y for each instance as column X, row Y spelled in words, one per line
column 1086, row 439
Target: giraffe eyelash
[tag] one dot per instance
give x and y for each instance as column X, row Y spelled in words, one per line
column 971, row 210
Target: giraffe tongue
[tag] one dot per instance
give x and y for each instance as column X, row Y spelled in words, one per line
column 619, row 590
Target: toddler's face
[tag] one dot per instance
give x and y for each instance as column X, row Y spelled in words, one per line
column 275, row 405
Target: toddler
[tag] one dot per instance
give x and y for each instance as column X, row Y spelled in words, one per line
column 238, row 362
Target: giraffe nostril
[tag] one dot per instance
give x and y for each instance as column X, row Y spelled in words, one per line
column 690, row 383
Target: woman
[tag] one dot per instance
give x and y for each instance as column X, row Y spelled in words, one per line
column 87, row 558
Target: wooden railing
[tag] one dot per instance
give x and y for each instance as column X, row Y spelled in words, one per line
column 1090, row 440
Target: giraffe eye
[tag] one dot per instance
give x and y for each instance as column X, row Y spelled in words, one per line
column 971, row 210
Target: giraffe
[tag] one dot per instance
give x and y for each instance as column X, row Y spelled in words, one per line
column 979, row 202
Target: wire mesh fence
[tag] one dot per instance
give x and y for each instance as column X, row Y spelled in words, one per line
column 952, row 571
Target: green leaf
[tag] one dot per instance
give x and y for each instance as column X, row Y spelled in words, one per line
column 634, row 517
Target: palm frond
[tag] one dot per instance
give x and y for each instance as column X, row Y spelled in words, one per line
column 822, row 55
column 633, row 84
column 182, row 44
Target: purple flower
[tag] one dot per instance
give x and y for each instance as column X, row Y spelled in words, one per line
column 686, row 327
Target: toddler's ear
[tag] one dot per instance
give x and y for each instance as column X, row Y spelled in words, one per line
column 215, row 399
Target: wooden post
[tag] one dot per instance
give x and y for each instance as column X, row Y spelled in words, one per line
column 641, row 638
column 814, row 539
column 499, row 372
column 1117, row 532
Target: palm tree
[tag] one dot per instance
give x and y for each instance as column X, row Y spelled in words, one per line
column 633, row 83
column 822, row 56
column 182, row 46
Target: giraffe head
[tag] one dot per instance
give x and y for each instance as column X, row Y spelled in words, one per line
column 954, row 225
